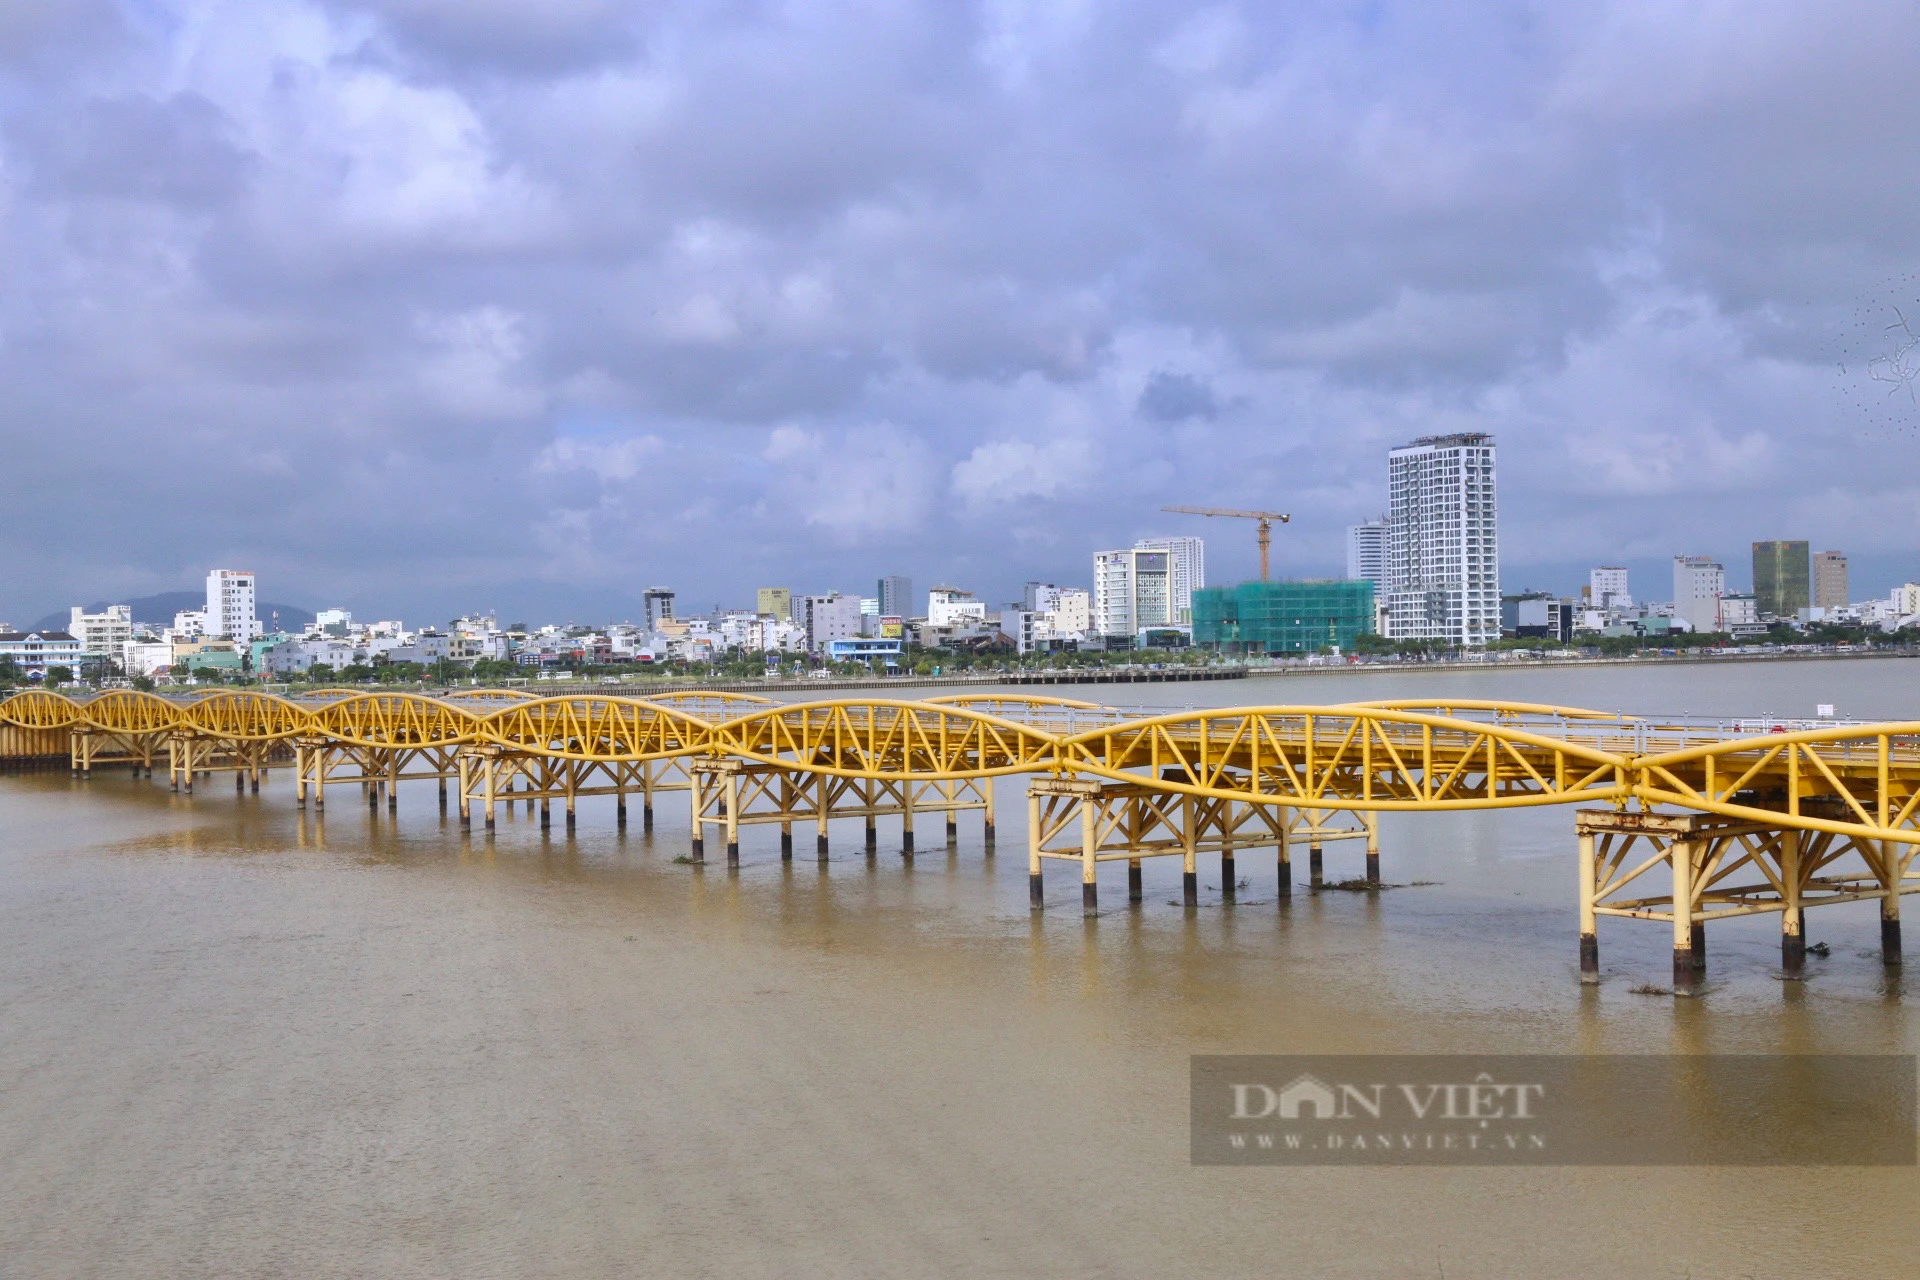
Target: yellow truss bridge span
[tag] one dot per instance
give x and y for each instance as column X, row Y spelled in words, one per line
column 1690, row 820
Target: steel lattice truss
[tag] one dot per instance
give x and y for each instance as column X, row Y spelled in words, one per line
column 1860, row 781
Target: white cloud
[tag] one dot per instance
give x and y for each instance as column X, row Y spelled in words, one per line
column 620, row 459
column 475, row 365
column 1006, row 470
column 852, row 484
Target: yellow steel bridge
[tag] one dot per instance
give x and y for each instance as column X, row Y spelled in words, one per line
column 1687, row 820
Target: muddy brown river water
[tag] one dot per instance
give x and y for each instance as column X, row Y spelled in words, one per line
column 235, row 1041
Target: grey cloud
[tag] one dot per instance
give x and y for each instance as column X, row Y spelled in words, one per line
column 534, row 39
column 440, row 302
column 1175, row 397
column 177, row 150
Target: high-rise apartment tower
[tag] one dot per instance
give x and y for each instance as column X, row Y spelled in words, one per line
column 1443, row 541
column 896, row 596
column 1187, row 566
column 230, row 605
column 1367, row 554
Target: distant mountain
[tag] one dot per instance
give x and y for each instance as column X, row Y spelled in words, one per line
column 161, row 608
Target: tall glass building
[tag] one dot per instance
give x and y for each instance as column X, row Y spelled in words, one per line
column 1283, row 617
column 1782, row 573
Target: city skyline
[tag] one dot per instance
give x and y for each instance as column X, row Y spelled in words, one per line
column 529, row 313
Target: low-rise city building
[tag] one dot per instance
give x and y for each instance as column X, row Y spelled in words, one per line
column 951, row 606
column 34, row 652
column 102, row 635
column 1607, row 588
column 147, row 658
column 1738, row 609
column 1698, row 584
column 829, row 617
column 865, row 649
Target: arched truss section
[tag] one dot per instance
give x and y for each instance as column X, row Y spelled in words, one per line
column 887, row 740
column 393, row 720
column 995, row 703
column 1856, row 780
column 627, row 729
column 1062, row 717
column 40, row 709
column 1348, row 757
column 130, row 711
column 1489, row 708
column 706, row 696
column 488, row 697
column 710, row 706
column 240, row 716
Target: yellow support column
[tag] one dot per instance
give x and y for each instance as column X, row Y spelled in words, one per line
column 1372, row 821
column 986, row 795
column 1285, row 857
column 906, row 819
column 1589, row 918
column 1189, row 838
column 1680, row 857
column 790, row 790
column 572, row 770
column 868, row 798
column 820, row 798
column 490, row 780
column 1228, row 889
column 1089, row 849
column 733, row 819
column 1890, row 857
column 1036, row 892
column 698, row 802
column 465, row 764
column 1793, row 920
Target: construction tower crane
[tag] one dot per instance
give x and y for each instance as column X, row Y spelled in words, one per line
column 1266, row 519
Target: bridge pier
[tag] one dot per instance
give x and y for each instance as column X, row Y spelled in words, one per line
column 1589, row 921
column 1789, row 870
column 1895, row 859
column 734, row 793
column 1285, row 858
column 1092, row 821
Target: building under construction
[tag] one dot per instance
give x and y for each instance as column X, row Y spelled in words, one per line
column 1283, row 617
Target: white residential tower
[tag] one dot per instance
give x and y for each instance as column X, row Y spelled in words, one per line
column 1443, row 542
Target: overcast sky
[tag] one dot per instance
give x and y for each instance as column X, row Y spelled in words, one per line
column 418, row 306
